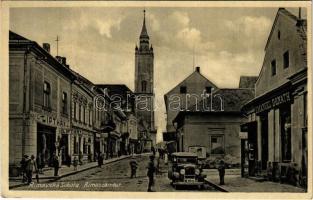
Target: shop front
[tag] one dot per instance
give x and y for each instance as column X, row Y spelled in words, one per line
column 276, row 143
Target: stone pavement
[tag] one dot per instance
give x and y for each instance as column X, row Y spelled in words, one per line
column 63, row 172
column 235, row 183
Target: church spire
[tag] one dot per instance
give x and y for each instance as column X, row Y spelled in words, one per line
column 144, row 33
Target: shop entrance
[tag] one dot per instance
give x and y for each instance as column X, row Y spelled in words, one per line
column 264, row 140
column 46, row 138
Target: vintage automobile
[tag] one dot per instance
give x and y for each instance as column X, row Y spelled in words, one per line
column 185, row 170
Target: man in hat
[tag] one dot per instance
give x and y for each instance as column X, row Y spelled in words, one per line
column 150, row 173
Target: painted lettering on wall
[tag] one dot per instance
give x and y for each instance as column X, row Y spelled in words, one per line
column 274, row 102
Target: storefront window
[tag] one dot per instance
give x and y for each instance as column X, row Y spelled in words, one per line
column 285, row 119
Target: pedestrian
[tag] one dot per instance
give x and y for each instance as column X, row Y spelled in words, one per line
column 153, row 150
column 221, row 171
column 39, row 163
column 23, row 168
column 30, row 167
column 150, row 173
column 56, row 165
column 75, row 163
column 157, row 162
column 100, row 160
column 133, row 167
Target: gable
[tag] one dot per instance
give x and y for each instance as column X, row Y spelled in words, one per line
column 284, row 39
column 195, row 82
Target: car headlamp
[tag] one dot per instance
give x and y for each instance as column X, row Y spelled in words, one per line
column 182, row 171
column 197, row 171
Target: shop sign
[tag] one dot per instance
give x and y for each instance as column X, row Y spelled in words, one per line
column 274, row 102
column 243, row 135
column 51, row 120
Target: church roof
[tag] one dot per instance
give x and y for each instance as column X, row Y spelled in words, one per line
column 144, row 32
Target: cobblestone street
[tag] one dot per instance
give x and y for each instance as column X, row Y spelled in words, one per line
column 112, row 177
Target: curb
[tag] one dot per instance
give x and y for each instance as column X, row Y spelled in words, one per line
column 215, row 186
column 70, row 173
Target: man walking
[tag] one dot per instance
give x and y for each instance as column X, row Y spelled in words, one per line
column 221, row 171
column 150, row 173
column 56, row 165
column 100, row 160
column 30, row 166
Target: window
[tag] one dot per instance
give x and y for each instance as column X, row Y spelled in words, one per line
column 217, row 144
column 90, row 117
column 273, row 65
column 278, row 34
column 144, row 86
column 208, row 89
column 64, row 103
column 84, row 114
column 79, row 113
column 183, row 89
column 286, row 59
column 46, row 95
column 75, row 145
column 74, row 111
column 84, row 146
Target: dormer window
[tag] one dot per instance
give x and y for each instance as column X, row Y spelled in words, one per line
column 183, row 89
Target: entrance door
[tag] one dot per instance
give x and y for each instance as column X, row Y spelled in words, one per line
column 264, row 140
column 46, row 143
column 64, row 147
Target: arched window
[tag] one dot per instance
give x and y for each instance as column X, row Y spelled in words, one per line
column 143, row 86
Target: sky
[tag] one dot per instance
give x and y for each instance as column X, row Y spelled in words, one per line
column 99, row 43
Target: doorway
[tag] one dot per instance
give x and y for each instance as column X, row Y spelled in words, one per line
column 46, row 139
column 264, row 140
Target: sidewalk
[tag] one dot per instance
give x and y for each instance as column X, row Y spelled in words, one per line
column 63, row 172
column 235, row 183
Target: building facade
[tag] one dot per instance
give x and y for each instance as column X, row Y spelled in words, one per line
column 214, row 124
column 277, row 128
column 144, row 88
column 186, row 94
column 39, row 102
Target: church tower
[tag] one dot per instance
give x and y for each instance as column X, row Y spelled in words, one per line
column 144, row 72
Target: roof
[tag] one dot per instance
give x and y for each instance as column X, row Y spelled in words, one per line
column 195, row 72
column 17, row 42
column 121, row 89
column 15, row 36
column 184, row 154
column 247, row 81
column 144, row 32
column 232, row 100
column 286, row 13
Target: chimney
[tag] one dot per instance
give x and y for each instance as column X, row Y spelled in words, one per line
column 61, row 60
column 198, row 69
column 300, row 13
column 46, row 46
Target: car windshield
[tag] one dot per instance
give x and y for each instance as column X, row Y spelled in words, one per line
column 186, row 160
